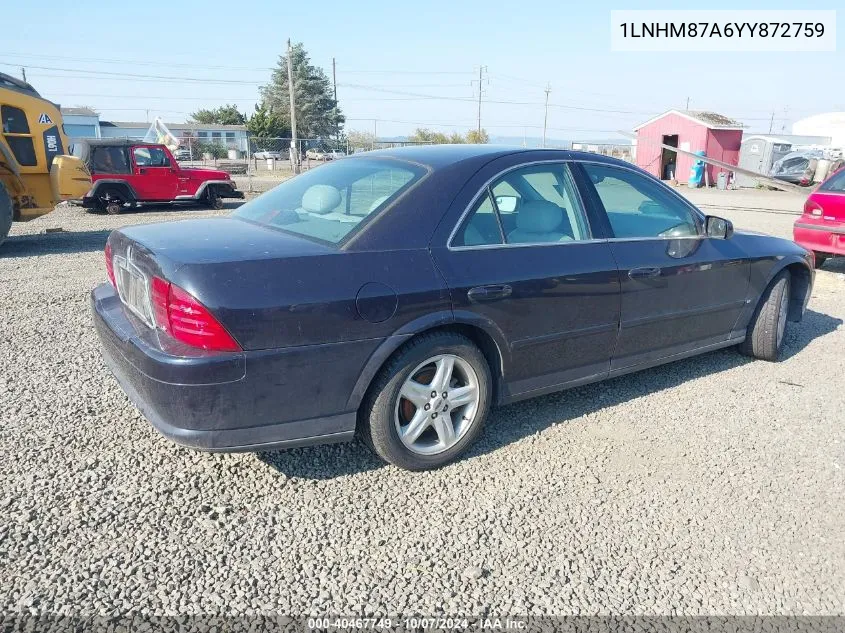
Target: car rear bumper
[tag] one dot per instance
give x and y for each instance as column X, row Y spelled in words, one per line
column 820, row 236
column 243, row 401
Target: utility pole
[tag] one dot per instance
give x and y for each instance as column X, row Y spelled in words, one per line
column 23, row 73
column 294, row 147
column 687, row 104
column 334, row 82
column 481, row 70
column 546, row 115
column 771, row 122
column 375, row 132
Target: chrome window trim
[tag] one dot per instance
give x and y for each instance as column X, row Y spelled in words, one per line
column 487, row 188
column 524, row 244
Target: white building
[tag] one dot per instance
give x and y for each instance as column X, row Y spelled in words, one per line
column 830, row 124
column 85, row 123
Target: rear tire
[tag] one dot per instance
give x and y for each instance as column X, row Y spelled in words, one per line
column 766, row 332
column 111, row 201
column 821, row 258
column 7, row 212
column 433, row 363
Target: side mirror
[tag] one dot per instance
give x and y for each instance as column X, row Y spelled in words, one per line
column 718, row 228
column 507, row 204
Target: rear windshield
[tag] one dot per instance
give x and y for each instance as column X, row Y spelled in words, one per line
column 329, row 202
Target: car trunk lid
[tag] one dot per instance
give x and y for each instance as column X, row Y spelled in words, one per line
column 140, row 254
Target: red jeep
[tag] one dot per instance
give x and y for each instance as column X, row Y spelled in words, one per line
column 127, row 173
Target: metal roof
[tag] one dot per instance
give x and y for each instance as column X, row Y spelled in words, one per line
column 80, row 112
column 713, row 120
column 174, row 126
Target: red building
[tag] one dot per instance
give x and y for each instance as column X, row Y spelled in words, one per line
column 718, row 136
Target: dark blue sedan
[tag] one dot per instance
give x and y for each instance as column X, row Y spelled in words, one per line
column 399, row 294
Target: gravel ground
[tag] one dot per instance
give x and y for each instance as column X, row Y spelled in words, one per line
column 710, row 486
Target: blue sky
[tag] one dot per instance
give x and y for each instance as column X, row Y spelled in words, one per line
column 387, row 48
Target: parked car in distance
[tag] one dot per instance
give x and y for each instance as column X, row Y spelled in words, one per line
column 821, row 228
column 323, row 154
column 265, row 154
column 401, row 293
column 182, row 154
column 127, row 173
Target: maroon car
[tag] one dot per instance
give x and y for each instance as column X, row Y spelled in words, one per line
column 821, row 228
column 126, row 173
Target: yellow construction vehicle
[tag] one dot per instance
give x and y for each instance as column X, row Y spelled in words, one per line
column 35, row 173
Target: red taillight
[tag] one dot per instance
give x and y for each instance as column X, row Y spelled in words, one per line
column 811, row 207
column 187, row 320
column 110, row 265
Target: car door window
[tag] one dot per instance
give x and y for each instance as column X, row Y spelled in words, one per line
column 158, row 158
column 531, row 205
column 547, row 207
column 142, row 156
column 638, row 207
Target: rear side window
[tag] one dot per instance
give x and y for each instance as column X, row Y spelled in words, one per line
column 329, row 202
column 17, row 135
column 835, row 183
column 109, row 160
column 537, row 204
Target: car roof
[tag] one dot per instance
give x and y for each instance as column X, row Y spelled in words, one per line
column 439, row 156
column 436, row 156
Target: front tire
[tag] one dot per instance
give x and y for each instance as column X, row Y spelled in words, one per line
column 214, row 199
column 764, row 338
column 428, row 404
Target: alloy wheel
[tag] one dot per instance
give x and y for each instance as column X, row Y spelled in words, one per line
column 437, row 404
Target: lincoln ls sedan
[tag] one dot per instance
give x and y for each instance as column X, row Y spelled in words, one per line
column 399, row 294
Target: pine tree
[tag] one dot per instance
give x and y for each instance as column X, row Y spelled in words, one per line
column 317, row 114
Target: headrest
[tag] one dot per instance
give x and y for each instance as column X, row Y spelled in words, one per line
column 320, row 199
column 539, row 216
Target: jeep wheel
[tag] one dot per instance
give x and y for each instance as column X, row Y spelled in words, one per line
column 111, row 202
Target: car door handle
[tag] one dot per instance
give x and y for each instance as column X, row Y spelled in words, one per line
column 644, row 273
column 489, row 293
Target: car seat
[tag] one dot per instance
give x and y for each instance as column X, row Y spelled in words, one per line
column 540, row 221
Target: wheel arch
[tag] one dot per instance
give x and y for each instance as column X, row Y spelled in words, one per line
column 120, row 185
column 802, row 284
column 483, row 333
